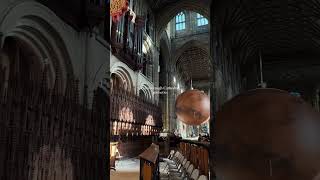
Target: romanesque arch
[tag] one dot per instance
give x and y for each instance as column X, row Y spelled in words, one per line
column 126, row 78
column 40, row 29
column 46, row 123
column 146, row 91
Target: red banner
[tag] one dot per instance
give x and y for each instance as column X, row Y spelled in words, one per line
column 118, row 8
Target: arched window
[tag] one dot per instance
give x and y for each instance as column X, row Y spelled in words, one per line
column 201, row 21
column 180, row 21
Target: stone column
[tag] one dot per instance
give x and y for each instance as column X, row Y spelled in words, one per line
column 156, row 73
column 1, row 41
column 113, row 32
column 126, row 31
column 3, row 70
column 315, row 98
column 215, row 48
column 167, row 105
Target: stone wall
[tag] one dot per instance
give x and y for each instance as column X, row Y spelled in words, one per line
column 81, row 55
column 55, row 124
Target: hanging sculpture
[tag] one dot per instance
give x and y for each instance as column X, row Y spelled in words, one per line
column 193, row 107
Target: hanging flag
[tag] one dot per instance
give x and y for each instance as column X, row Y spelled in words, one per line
column 118, row 8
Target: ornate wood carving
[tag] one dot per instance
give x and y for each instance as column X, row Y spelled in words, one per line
column 47, row 135
column 138, row 110
column 197, row 154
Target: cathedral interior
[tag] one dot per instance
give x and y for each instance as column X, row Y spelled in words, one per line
column 159, row 89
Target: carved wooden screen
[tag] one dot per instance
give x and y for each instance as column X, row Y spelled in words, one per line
column 130, row 115
column 44, row 134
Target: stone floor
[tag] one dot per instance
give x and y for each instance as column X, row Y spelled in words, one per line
column 126, row 169
column 129, row 169
column 163, row 171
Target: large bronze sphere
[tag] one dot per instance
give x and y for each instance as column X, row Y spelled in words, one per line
column 267, row 134
column 193, row 107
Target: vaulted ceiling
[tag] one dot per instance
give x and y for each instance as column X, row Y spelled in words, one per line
column 159, row 4
column 194, row 64
column 285, row 32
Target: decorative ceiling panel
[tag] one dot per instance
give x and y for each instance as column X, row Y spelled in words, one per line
column 194, row 64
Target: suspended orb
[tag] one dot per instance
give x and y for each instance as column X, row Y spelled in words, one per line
column 193, row 107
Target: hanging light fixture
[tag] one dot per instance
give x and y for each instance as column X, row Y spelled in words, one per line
column 191, row 85
column 262, row 83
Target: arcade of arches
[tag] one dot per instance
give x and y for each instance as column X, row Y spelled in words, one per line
column 84, row 95
column 151, row 64
column 53, row 90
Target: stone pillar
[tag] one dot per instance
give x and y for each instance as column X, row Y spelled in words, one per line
column 113, row 32
column 126, row 31
column 1, row 40
column 215, row 54
column 315, row 98
column 171, row 100
column 4, row 64
column 155, row 73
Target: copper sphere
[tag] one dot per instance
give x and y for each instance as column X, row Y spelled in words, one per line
column 267, row 134
column 193, row 107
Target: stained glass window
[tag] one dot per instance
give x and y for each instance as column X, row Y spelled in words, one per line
column 180, row 21
column 201, row 21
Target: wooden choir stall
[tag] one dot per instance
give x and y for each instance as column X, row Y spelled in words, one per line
column 197, row 153
column 149, row 163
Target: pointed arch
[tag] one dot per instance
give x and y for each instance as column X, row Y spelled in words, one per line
column 165, row 15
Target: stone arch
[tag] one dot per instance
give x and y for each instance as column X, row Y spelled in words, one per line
column 42, row 30
column 147, row 91
column 125, row 76
column 165, row 15
column 102, row 77
column 40, row 61
column 189, row 44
